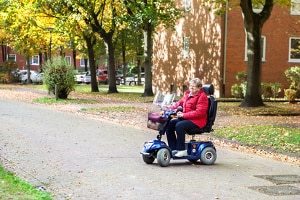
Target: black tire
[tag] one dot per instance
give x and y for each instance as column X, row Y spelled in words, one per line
column 163, row 157
column 148, row 159
column 131, row 83
column 208, row 156
column 192, row 160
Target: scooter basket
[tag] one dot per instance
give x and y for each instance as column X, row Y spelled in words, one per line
column 155, row 121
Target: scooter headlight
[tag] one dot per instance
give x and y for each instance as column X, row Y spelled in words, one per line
column 147, row 145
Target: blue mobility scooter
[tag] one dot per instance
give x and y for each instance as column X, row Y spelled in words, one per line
column 204, row 151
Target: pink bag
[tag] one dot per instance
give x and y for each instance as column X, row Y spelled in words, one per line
column 155, row 120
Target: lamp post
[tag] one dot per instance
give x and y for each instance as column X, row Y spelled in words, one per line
column 50, row 29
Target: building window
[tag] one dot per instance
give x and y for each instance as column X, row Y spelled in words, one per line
column 263, row 48
column 82, row 64
column 187, row 5
column 35, row 60
column 68, row 60
column 295, row 8
column 12, row 57
column 186, row 47
column 294, row 49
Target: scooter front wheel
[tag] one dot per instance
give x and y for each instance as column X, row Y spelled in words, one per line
column 148, row 159
column 208, row 156
column 163, row 157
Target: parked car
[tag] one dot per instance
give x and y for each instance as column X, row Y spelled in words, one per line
column 34, row 76
column 87, row 78
column 129, row 80
column 132, row 79
column 142, row 78
column 38, row 78
column 102, row 77
column 83, row 77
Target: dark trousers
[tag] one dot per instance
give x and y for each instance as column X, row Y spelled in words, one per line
column 180, row 127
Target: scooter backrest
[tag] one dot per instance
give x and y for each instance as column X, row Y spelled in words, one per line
column 211, row 115
column 212, row 107
column 208, row 89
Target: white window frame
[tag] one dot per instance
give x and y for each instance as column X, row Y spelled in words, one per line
column 290, row 49
column 264, row 42
column 186, row 47
column 68, row 60
column 82, row 62
column 35, row 60
column 187, row 5
column 295, row 7
column 12, row 56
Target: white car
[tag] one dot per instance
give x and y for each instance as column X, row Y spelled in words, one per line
column 142, row 78
column 83, row 77
column 34, row 76
column 38, row 78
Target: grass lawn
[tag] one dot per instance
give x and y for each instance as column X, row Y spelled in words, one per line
column 12, row 187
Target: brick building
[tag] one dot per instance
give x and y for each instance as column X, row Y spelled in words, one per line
column 37, row 61
column 213, row 48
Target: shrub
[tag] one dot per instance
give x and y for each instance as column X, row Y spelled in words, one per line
column 268, row 90
column 237, row 91
column 241, row 76
column 8, row 67
column 59, row 73
column 293, row 75
column 290, row 95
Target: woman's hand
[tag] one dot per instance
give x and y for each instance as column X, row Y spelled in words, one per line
column 180, row 115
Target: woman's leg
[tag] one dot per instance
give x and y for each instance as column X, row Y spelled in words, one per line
column 181, row 128
column 170, row 131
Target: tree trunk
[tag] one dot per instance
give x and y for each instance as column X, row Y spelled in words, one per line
column 148, row 60
column 3, row 51
column 28, row 70
column 91, row 54
column 123, row 41
column 74, row 59
column 108, row 39
column 253, row 25
column 41, row 61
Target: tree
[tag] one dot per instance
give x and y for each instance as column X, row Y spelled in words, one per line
column 147, row 15
column 71, row 24
column 21, row 25
column 253, row 23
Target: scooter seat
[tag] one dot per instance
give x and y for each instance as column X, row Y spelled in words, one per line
column 196, row 131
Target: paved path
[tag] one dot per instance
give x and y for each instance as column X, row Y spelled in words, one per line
column 81, row 158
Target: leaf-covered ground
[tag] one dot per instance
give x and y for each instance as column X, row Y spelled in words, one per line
column 271, row 131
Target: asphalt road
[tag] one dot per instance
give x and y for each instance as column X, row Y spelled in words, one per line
column 80, row 158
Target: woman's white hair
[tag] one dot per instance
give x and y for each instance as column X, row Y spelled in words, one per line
column 197, row 82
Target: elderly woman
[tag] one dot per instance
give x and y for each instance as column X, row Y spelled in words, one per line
column 194, row 115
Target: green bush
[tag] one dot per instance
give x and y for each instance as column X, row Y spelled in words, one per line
column 7, row 68
column 268, row 90
column 293, row 75
column 241, row 76
column 290, row 95
column 236, row 91
column 59, row 73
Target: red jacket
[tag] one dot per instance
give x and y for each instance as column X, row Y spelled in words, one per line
column 195, row 107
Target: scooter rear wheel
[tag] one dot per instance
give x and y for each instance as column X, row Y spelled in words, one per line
column 163, row 157
column 208, row 156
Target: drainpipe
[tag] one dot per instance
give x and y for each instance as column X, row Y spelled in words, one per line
column 225, row 46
